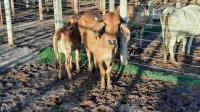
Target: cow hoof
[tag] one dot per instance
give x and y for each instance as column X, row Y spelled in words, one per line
column 59, row 77
column 165, row 61
column 182, row 53
column 102, row 85
column 174, row 62
column 70, row 77
column 77, row 71
column 109, row 87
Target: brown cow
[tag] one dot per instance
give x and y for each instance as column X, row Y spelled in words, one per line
column 99, row 35
column 65, row 40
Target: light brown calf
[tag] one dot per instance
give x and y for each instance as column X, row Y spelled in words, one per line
column 99, row 36
column 64, row 41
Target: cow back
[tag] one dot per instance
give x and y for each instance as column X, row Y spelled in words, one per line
column 185, row 20
column 89, row 20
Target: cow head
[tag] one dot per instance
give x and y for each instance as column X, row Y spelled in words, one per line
column 73, row 21
column 111, row 27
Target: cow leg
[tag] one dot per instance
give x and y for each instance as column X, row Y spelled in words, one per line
column 59, row 66
column 95, row 65
column 171, row 48
column 165, row 52
column 141, row 35
column 89, row 60
column 77, row 61
column 108, row 72
column 57, row 55
column 136, row 34
column 102, row 72
column 182, row 36
column 189, row 44
column 183, row 48
column 165, row 49
column 70, row 62
column 67, row 64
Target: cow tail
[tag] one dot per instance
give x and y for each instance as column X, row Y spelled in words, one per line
column 164, row 29
column 56, row 36
column 167, row 13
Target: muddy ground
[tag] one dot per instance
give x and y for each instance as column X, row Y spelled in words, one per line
column 29, row 86
column 34, row 87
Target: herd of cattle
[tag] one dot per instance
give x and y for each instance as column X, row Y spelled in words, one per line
column 100, row 36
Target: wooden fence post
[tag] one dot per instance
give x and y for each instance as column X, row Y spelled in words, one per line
column 1, row 16
column 178, row 3
column 123, row 44
column 8, row 22
column 112, row 5
column 165, row 1
column 13, row 7
column 76, row 6
column 103, row 7
column 100, row 5
column 27, row 3
column 40, row 9
column 58, row 13
column 72, row 4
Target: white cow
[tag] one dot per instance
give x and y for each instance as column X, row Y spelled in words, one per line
column 177, row 24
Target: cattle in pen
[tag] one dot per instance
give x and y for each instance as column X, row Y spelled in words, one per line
column 177, row 24
column 99, row 36
column 64, row 41
column 137, row 16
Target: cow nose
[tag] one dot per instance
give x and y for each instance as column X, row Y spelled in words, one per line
column 112, row 42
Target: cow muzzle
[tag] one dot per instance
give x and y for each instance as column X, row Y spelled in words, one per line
column 112, row 42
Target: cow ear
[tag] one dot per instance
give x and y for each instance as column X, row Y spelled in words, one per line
column 99, row 29
column 125, row 32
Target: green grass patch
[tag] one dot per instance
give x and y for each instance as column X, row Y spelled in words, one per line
column 46, row 55
column 139, row 71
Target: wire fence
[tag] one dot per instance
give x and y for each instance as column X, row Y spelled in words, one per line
column 148, row 55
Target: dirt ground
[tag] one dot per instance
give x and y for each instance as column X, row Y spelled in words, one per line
column 29, row 86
